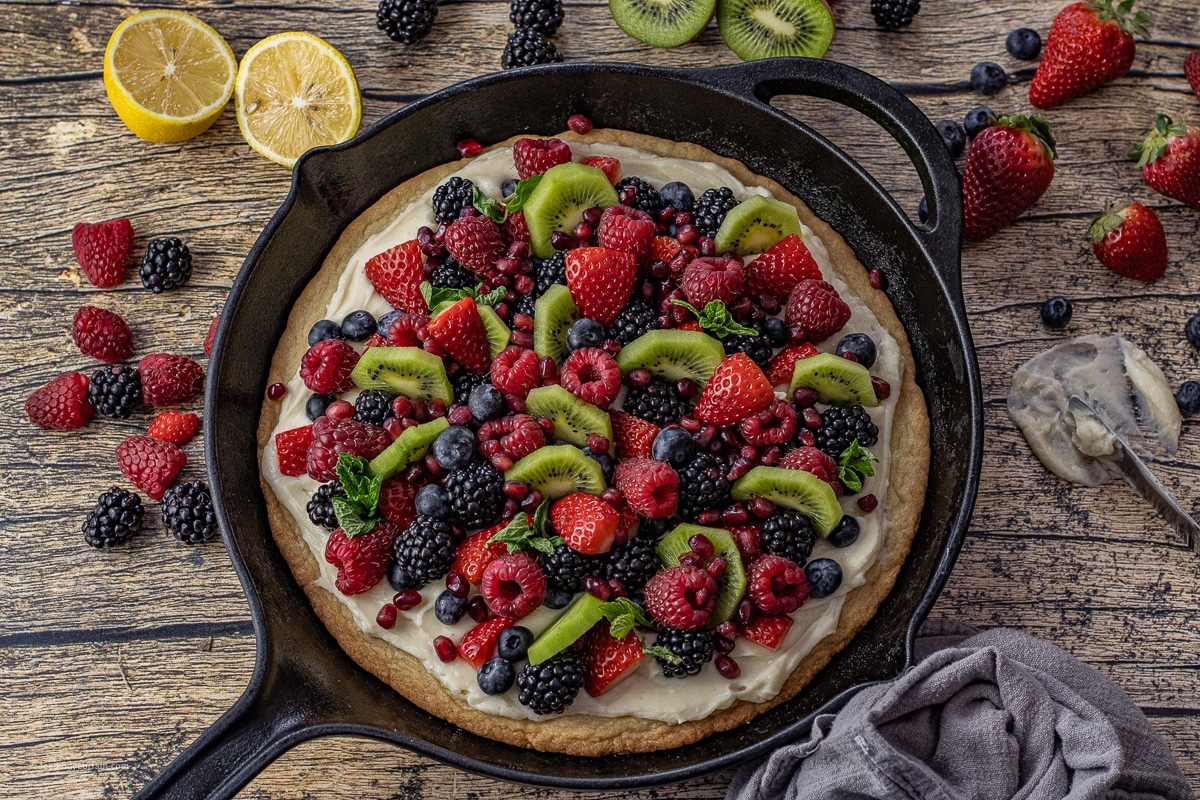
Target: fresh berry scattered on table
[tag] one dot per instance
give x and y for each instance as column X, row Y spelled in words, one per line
column 1131, row 242
column 1024, row 44
column 1188, row 398
column 406, row 21
column 954, row 135
column 894, row 14
column 978, row 120
column 1090, row 44
column 1170, row 160
column 102, row 250
column 1056, row 312
column 988, row 78
column 1009, row 167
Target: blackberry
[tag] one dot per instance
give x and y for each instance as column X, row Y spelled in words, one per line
column 788, row 534
column 549, row 271
column 551, row 686
column 565, row 569
column 187, row 511
column 757, row 346
column 702, row 485
column 526, row 305
column 115, row 391
column 634, row 320
column 320, row 507
column 711, row 208
column 657, row 402
column 452, row 275
column 694, row 648
column 633, row 563
column 841, row 425
column 476, row 495
column 425, row 550
column 406, row 21
column 166, row 265
column 115, row 519
column 653, row 530
column 894, row 14
column 543, row 16
column 373, row 407
column 645, row 196
column 451, row 198
column 464, row 381
column 527, row 47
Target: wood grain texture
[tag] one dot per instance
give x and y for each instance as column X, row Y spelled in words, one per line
column 112, row 663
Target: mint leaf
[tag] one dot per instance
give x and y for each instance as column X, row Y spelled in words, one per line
column 622, row 614
column 516, row 201
column 520, row 535
column 661, row 652
column 350, row 519
column 492, row 209
column 361, row 486
column 715, row 319
column 426, row 289
column 492, row 297
column 541, row 519
column 854, row 464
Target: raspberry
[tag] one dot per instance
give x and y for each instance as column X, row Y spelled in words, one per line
column 405, row 329
column 776, row 585
column 168, row 380
column 818, row 462
column 708, row 279
column 515, row 228
column 535, row 156
column 476, row 242
column 362, row 561
column 592, row 375
column 178, row 428
column 626, row 229
column 682, row 597
column 326, row 367
column 211, row 335
column 515, row 371
column 333, row 436
column 102, row 334
column 397, row 502
column 512, row 437
column 817, row 308
column 775, row 424
column 149, row 464
column 62, row 404
column 291, row 447
column 650, row 487
column 102, row 249
column 513, row 585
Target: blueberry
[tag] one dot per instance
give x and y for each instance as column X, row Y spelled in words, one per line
column 953, row 136
column 1188, row 398
column 861, row 346
column 1056, row 312
column 923, row 210
column 316, row 405
column 496, row 676
column 323, row 329
column 454, row 448
column 1192, row 331
column 1024, row 44
column 585, row 333
column 508, row 187
column 449, row 607
column 673, row 445
column 514, row 643
column 385, row 322
column 988, row 78
column 604, row 460
column 401, row 580
column 777, row 331
column 432, row 502
column 557, row 598
column 358, row 326
column 486, row 402
column 824, row 577
column 978, row 120
column 678, row 196
column 846, row 533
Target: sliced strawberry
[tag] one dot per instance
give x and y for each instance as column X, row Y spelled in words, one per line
column 175, row 427
column 459, row 330
column 737, row 389
column 478, row 645
column 611, row 167
column 475, row 553
column 585, row 522
column 783, row 364
column 768, row 630
column 397, row 274
column 664, row 248
column 600, row 281
column 780, row 268
column 650, row 487
column 626, row 229
column 292, row 449
column 632, row 435
column 609, row 659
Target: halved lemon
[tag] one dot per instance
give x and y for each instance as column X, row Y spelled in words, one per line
column 168, row 75
column 294, row 92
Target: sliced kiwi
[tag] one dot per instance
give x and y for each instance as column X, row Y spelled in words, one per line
column 836, row 380
column 409, row 371
column 753, row 225
column 558, row 470
column 559, row 200
column 795, row 489
column 732, row 585
column 411, row 445
column 569, row 628
column 553, row 313
column 765, row 28
column 498, row 334
column 673, row 355
column 574, row 419
column 662, row 23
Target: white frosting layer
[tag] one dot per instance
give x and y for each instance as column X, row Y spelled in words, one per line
column 646, row 693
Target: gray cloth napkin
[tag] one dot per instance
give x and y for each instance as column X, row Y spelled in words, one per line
column 982, row 716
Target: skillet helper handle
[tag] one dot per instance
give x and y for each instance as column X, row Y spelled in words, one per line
column 830, row 80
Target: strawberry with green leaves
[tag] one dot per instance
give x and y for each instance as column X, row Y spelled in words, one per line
column 1009, row 167
column 1170, row 160
column 1090, row 44
column 460, row 331
column 1130, row 242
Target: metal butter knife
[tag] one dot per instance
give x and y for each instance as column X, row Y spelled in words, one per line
column 1137, row 475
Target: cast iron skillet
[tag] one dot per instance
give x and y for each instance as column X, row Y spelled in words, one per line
column 303, row 685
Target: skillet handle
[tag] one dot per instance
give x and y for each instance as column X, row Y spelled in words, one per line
column 830, row 80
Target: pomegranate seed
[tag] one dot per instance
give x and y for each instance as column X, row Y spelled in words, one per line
column 525, row 286
column 517, row 490
column 883, row 389
column 806, row 438
column 707, row 245
column 469, row 148
column 427, row 244
column 597, row 443
column 276, row 391
column 690, row 559
column 501, row 280
column 445, row 649
column 522, row 339
column 579, row 123
column 849, row 356
column 414, row 474
column 597, row 588
column 518, row 249
column 761, row 507
column 701, row 546
column 687, row 388
column 747, row 613
column 638, row 377
column 769, row 303
column 386, row 618
column 722, row 645
column 420, row 411
column 592, row 215
column 523, row 322
column 627, row 195
column 547, row 369
column 743, row 305
column 868, row 503
column 478, row 609
column 406, row 599
column 706, row 435
column 748, row 543
column 547, row 426
column 739, row 468
column 459, row 415
column 340, row 409
column 716, row 568
column 408, row 422
column 457, row 584
column 878, row 281
column 402, row 406
column 729, row 630
column 728, row 668
column 812, row 418
column 620, row 537
column 612, row 496
column 503, row 463
column 708, row 517
column 510, row 506
column 612, row 347
column 689, row 424
column 516, row 403
column 394, row 428
column 530, row 504
column 435, row 469
column 562, row 241
column 749, row 452
column 583, row 231
column 618, row 589
column 770, row 455
column 687, row 234
column 736, row 514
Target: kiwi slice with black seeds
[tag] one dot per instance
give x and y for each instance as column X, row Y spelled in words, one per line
column 753, row 225
column 574, row 419
column 732, row 585
column 673, row 355
column 553, row 313
column 410, row 446
column 557, row 471
column 569, row 628
column 795, row 489
column 409, row 371
column 837, row 381
column 559, row 200
column 764, row 28
column 662, row 23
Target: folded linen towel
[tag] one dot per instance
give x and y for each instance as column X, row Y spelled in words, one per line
column 982, row 716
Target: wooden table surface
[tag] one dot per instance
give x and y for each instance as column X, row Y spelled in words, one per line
column 111, row 663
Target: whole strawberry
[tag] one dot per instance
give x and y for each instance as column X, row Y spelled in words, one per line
column 1170, row 160
column 362, row 561
column 1009, row 167
column 737, row 389
column 1131, row 242
column 397, row 274
column 62, row 404
column 476, row 242
column 102, row 249
column 168, row 380
column 1191, row 68
column 102, row 334
column 781, row 267
column 817, row 308
column 600, row 281
column 1090, row 44
column 708, row 279
column 459, row 330
column 149, row 464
